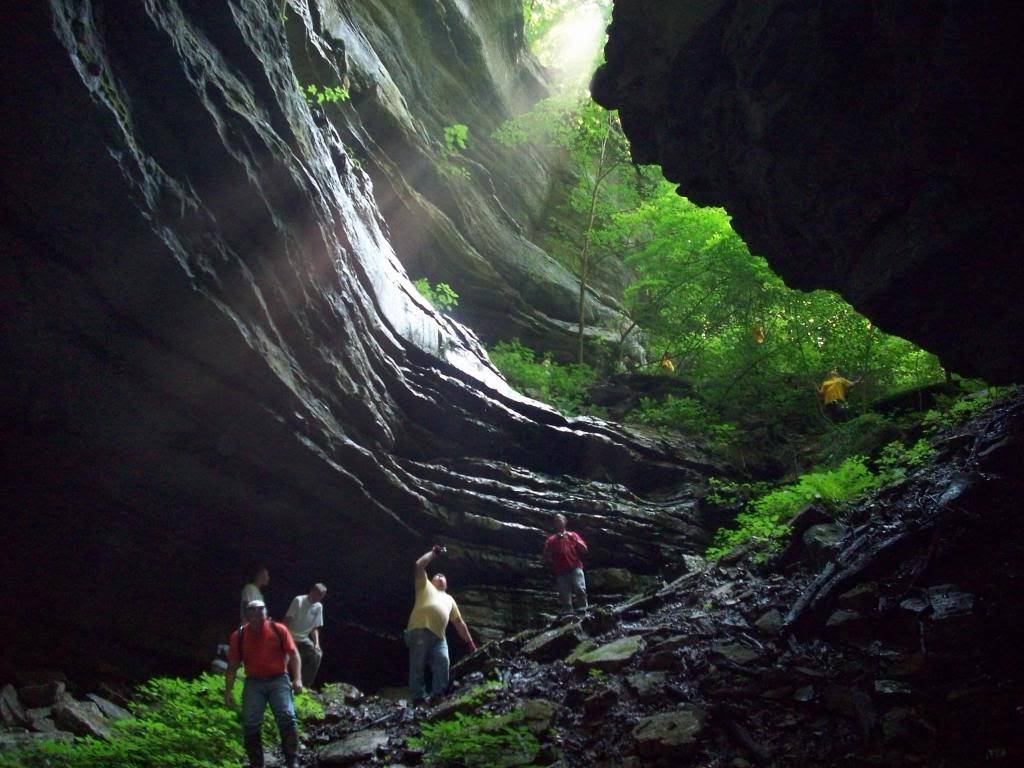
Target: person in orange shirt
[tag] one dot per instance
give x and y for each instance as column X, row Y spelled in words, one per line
column 268, row 653
column 833, row 394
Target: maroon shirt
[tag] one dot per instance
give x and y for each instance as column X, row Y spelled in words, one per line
column 563, row 552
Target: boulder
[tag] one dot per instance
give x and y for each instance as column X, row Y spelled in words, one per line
column 647, row 686
column 554, row 643
column 12, row 712
column 737, row 653
column 82, row 718
column 671, row 733
column 863, row 598
column 538, row 715
column 356, row 748
column 822, row 541
column 770, row 623
column 614, row 655
column 108, row 709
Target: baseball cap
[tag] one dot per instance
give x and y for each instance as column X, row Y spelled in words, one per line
column 256, row 604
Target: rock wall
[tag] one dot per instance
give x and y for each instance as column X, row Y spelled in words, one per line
column 213, row 356
column 870, row 148
column 462, row 217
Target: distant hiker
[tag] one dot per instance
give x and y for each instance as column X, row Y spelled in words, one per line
column 562, row 551
column 304, row 618
column 425, row 632
column 666, row 363
column 251, row 591
column 833, row 394
column 268, row 653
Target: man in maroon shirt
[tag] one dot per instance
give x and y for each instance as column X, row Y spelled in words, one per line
column 267, row 650
column 562, row 552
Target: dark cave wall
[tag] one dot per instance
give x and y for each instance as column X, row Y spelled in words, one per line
column 871, row 148
column 214, row 358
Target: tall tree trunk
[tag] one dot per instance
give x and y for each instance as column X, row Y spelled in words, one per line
column 584, row 258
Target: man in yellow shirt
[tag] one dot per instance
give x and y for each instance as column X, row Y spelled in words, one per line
column 425, row 632
column 833, row 394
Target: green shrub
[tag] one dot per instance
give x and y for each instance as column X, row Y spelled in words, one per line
column 766, row 518
column 440, row 295
column 325, row 94
column 563, row 386
column 176, row 723
column 685, row 414
column 952, row 411
column 477, row 741
column 895, row 459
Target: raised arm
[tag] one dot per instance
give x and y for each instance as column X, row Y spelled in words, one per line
column 426, row 558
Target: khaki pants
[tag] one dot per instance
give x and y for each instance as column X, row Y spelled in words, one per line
column 311, row 657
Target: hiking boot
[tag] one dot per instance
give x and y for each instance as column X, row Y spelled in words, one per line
column 290, row 747
column 254, row 749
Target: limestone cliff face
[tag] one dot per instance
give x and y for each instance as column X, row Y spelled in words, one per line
column 871, row 148
column 464, row 217
column 214, row 357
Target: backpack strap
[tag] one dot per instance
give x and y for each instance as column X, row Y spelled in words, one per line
column 241, row 640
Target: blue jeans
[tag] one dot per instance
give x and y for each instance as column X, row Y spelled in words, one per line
column 426, row 648
column 572, row 589
column 257, row 693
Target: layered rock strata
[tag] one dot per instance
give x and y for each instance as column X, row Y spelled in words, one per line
column 214, row 358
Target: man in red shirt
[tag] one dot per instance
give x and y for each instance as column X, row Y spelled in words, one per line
column 266, row 650
column 562, row 552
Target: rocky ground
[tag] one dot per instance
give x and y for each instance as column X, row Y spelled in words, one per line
column 887, row 637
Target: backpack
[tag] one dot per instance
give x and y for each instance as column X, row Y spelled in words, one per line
column 241, row 641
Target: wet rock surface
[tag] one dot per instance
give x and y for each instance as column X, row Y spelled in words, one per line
column 47, row 711
column 214, row 356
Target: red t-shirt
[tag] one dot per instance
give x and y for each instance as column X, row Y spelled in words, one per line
column 562, row 552
column 265, row 649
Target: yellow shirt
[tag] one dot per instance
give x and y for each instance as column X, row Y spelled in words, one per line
column 433, row 608
column 834, row 389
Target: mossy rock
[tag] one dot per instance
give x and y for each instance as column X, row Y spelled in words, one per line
column 614, row 655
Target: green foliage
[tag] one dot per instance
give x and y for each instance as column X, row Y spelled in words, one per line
column 895, row 459
column 176, row 723
column 441, row 295
column 455, row 137
column 562, row 386
column 325, row 94
column 685, row 414
column 477, row 741
column 728, row 493
column 766, row 518
column 953, row 411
